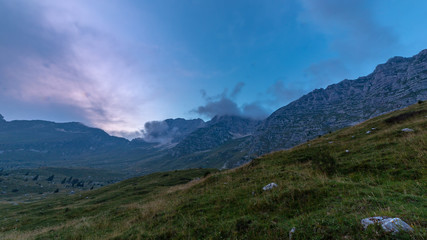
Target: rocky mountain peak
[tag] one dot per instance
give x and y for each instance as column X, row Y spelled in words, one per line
column 2, row 118
column 395, row 84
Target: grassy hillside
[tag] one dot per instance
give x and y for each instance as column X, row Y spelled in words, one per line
column 325, row 187
column 25, row 185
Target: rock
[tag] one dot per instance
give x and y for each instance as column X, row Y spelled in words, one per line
column 331, row 142
column 291, row 233
column 347, row 151
column 373, row 128
column 368, row 132
column 393, row 225
column 407, row 130
column 269, row 186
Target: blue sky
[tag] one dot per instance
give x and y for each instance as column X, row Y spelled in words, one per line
column 118, row 64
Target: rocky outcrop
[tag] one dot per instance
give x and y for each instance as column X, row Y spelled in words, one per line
column 396, row 84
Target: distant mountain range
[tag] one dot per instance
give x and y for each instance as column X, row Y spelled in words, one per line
column 224, row 141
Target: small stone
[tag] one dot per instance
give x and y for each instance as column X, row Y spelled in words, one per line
column 331, row 142
column 352, row 136
column 373, row 128
column 347, row 151
column 407, row 130
column 368, row 132
column 269, row 186
column 291, row 233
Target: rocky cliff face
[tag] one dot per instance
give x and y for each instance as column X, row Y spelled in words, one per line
column 393, row 85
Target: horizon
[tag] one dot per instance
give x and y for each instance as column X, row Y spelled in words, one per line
column 116, row 65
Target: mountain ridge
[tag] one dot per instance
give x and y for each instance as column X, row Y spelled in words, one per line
column 393, row 85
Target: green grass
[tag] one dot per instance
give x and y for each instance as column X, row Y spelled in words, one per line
column 323, row 191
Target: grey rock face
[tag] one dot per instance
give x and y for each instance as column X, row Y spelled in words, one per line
column 396, row 84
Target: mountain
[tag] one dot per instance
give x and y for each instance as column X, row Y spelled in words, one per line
column 217, row 131
column 325, row 187
column 393, row 85
column 37, row 143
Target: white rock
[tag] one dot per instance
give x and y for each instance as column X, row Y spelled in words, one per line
column 407, row 130
column 347, row 151
column 291, row 233
column 368, row 132
column 393, row 225
column 373, row 128
column 269, row 186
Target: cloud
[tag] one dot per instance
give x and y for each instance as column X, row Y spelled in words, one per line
column 327, row 71
column 56, row 54
column 353, row 35
column 237, row 89
column 157, row 131
column 351, row 25
column 224, row 105
column 221, row 107
column 282, row 92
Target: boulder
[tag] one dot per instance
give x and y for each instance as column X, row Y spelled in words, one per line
column 393, row 225
column 269, row 186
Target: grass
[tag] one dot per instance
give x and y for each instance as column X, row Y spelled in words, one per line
column 323, row 191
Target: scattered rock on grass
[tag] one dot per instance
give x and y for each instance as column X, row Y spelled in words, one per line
column 407, row 130
column 393, row 225
column 291, row 233
column 269, row 186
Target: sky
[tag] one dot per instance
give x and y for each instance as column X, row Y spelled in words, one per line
column 117, row 64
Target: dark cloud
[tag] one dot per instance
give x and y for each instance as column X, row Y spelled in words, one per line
column 327, row 71
column 351, row 24
column 283, row 92
column 24, row 32
column 224, row 105
column 157, row 131
column 353, row 34
column 221, row 107
column 255, row 111
column 237, row 89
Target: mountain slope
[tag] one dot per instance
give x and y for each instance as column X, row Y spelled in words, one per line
column 35, row 143
column 218, row 131
column 393, row 85
column 323, row 192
